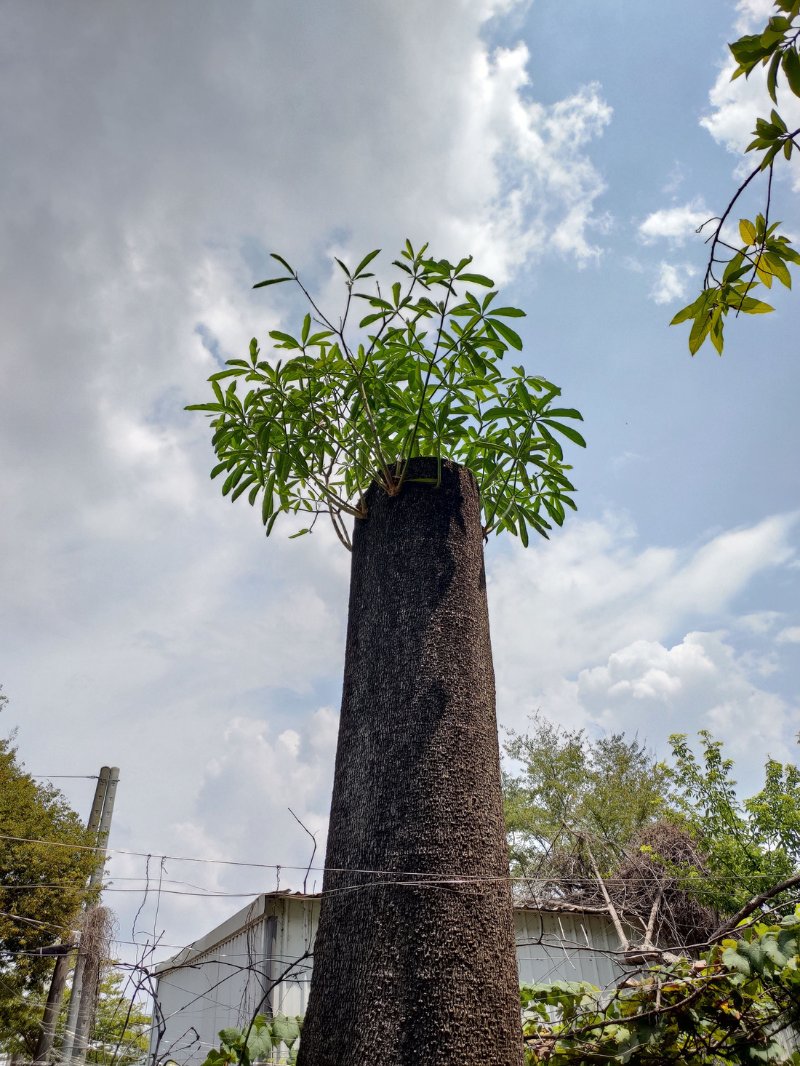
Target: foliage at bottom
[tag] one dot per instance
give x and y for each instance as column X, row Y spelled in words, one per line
column 737, row 1003
column 273, row 1040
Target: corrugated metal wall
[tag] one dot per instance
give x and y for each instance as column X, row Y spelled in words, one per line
column 226, row 977
column 565, row 946
column 230, row 975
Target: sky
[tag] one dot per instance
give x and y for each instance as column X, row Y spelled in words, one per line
column 153, row 156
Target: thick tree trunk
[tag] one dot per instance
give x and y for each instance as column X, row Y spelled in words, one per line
column 414, row 961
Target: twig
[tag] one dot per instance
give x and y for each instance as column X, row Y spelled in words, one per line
column 313, row 850
column 625, row 943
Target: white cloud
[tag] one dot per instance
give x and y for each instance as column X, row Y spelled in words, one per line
column 174, row 178
column 701, row 682
column 676, row 224
column 675, row 179
column 759, row 621
column 592, row 630
column 753, row 15
column 580, row 597
column 672, row 282
column 790, row 635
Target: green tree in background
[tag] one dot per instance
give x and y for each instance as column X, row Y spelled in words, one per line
column 749, row 844
column 121, row 1032
column 42, row 887
column 671, row 835
column 745, row 262
column 568, row 785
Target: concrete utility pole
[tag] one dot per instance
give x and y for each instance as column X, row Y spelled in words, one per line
column 87, row 971
column 59, row 978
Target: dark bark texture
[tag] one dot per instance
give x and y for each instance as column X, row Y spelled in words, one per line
column 414, row 960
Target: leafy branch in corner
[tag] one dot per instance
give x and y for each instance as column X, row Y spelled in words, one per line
column 736, row 1003
column 762, row 254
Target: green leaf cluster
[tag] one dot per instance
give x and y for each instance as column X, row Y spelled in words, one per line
column 274, row 1040
column 734, row 271
column 417, row 375
column 763, row 257
column 749, row 844
column 733, row 1005
column 775, row 48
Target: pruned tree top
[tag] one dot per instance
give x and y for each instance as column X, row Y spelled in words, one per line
column 417, row 375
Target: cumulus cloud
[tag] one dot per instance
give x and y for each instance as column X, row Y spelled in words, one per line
column 676, row 224
column 188, row 144
column 599, row 632
column 672, row 282
column 699, row 683
column 592, row 590
column 752, row 15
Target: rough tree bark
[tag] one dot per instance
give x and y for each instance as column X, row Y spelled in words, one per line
column 416, row 965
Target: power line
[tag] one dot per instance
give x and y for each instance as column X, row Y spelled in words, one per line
column 430, row 877
column 64, row 777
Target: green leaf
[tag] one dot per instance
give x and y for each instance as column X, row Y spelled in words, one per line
column 477, row 279
column 763, row 273
column 734, row 961
column 778, row 121
column 211, row 407
column 270, row 281
column 285, row 1030
column 507, row 334
column 791, row 70
column 691, row 310
column 752, row 306
column 777, row 266
column 282, row 261
column 230, row 1036
column 365, row 263
column 747, row 231
column 566, row 431
column 286, row 339
column 699, row 331
column 772, row 76
column 716, row 334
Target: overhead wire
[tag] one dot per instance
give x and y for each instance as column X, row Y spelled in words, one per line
column 425, row 876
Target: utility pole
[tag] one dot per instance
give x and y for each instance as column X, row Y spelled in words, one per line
column 59, row 978
column 87, row 971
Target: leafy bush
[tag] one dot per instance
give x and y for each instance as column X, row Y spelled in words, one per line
column 263, row 1040
column 735, row 1004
